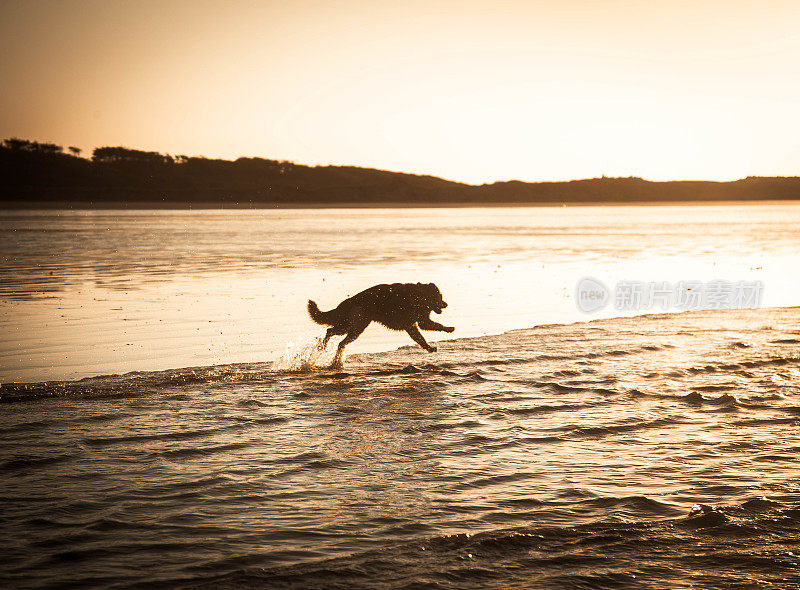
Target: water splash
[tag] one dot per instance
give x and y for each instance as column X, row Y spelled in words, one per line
column 304, row 354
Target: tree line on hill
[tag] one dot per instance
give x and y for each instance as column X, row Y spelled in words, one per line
column 44, row 174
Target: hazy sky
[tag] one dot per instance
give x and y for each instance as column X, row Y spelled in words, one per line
column 473, row 91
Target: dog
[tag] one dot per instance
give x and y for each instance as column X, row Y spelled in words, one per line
column 399, row 306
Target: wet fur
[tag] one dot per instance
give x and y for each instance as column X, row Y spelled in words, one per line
column 399, row 306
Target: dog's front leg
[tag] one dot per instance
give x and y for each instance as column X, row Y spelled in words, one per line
column 419, row 339
column 429, row 324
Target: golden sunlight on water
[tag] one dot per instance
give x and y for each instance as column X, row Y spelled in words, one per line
column 85, row 293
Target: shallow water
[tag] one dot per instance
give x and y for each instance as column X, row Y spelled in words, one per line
column 557, row 456
column 90, row 292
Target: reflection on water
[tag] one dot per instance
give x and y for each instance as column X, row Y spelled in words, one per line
column 105, row 291
column 120, row 249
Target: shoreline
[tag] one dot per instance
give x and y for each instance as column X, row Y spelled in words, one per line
column 267, row 365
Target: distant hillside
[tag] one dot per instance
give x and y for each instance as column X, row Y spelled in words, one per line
column 44, row 175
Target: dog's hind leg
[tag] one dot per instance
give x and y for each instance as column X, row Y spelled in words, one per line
column 333, row 331
column 358, row 323
column 414, row 332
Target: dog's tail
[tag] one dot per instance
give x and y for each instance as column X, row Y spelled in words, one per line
column 321, row 317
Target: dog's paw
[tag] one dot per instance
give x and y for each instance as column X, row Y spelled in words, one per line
column 320, row 344
column 449, row 329
column 432, row 349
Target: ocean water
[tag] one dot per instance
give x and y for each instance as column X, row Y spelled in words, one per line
column 539, row 447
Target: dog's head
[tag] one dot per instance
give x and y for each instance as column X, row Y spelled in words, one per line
column 433, row 297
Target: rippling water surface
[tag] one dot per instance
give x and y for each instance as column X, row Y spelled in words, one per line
column 658, row 450
column 655, row 451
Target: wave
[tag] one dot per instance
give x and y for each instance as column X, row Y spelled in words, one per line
column 163, row 437
column 570, row 360
column 573, row 432
column 136, row 382
column 710, row 547
column 28, row 462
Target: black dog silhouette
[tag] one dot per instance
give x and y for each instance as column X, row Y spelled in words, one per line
column 399, row 306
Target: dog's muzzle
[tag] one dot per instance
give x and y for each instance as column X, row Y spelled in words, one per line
column 441, row 306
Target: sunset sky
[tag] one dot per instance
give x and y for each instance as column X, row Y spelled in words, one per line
column 471, row 91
